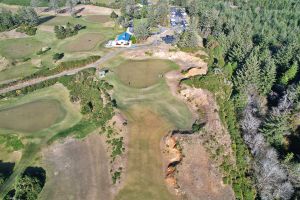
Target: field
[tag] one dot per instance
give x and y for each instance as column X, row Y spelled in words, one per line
column 142, row 74
column 77, row 169
column 36, row 140
column 24, row 50
column 151, row 112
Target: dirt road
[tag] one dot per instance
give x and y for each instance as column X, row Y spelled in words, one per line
column 68, row 72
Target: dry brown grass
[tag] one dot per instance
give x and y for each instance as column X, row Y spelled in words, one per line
column 77, row 170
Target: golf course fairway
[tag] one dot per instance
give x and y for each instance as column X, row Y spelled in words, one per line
column 152, row 111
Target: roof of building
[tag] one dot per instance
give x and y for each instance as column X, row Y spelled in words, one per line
column 124, row 36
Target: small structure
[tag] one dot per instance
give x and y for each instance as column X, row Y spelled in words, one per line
column 122, row 40
column 103, row 72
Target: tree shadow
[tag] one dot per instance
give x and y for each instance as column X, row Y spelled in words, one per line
column 6, row 168
column 37, row 172
column 294, row 143
column 45, row 19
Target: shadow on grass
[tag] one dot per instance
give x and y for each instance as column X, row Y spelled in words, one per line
column 45, row 19
column 6, row 168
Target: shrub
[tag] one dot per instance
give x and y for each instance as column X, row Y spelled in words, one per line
column 133, row 39
column 58, row 56
column 69, row 30
column 28, row 29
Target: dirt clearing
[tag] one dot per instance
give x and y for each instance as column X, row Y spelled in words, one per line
column 77, row 170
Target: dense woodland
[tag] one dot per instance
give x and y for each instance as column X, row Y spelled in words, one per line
column 254, row 48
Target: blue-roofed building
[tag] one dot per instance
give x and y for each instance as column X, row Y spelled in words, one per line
column 123, row 38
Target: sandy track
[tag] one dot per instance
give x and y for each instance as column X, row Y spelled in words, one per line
column 77, row 170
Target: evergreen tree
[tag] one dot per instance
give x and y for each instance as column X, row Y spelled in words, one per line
column 289, row 74
column 249, row 75
column 276, row 127
column 268, row 76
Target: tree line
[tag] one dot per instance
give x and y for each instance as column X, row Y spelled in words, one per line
column 26, row 17
column 255, row 45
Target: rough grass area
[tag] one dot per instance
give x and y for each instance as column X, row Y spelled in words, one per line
column 144, row 73
column 98, row 18
column 32, row 117
column 79, row 171
column 85, row 42
column 145, row 178
column 19, row 48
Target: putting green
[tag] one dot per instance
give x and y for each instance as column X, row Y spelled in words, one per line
column 43, row 112
column 85, row 42
column 33, row 116
column 19, row 48
column 143, row 73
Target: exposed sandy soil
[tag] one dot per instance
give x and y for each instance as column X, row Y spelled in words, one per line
column 11, row 35
column 166, row 51
column 77, row 170
column 196, row 176
column 214, row 134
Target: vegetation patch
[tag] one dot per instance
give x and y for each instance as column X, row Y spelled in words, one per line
column 28, row 185
column 12, row 142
